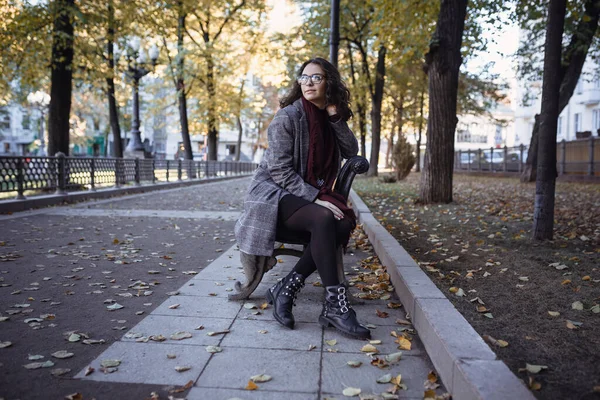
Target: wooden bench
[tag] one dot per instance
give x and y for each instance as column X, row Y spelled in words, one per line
column 256, row 266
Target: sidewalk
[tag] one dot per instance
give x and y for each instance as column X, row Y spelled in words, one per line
column 64, row 267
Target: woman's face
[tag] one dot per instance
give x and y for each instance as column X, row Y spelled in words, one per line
column 312, row 91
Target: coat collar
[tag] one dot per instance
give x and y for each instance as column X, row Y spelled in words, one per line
column 300, row 108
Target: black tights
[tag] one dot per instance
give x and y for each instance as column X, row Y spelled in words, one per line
column 326, row 233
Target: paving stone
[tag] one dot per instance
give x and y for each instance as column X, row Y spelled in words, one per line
column 305, row 311
column 194, row 306
column 167, row 325
column 337, row 375
column 367, row 314
column 245, row 333
column 204, row 288
column 447, row 337
column 294, row 371
column 148, row 363
column 260, row 394
column 348, row 345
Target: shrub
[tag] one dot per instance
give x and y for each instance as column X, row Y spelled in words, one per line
column 403, row 158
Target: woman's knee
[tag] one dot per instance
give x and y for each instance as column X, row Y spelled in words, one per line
column 343, row 228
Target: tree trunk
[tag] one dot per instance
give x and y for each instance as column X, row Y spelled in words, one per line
column 113, row 111
column 390, row 147
column 419, row 137
column 360, row 108
column 238, row 147
column 377, row 98
column 573, row 59
column 212, row 111
column 181, row 95
column 543, row 216
column 442, row 65
column 61, row 78
column 400, row 116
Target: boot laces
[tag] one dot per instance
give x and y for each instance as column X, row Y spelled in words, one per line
column 293, row 287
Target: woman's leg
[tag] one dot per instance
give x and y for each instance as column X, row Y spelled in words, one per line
column 326, row 233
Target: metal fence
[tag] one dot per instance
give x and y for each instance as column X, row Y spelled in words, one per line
column 577, row 157
column 63, row 174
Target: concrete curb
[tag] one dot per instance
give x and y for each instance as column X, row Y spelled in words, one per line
column 9, row 206
column 465, row 363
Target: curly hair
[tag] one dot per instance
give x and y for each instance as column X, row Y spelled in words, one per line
column 336, row 91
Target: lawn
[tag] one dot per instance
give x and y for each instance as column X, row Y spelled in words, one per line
column 535, row 303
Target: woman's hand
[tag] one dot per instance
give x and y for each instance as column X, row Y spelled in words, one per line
column 337, row 213
column 331, row 109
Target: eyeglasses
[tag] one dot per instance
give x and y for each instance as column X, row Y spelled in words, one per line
column 315, row 79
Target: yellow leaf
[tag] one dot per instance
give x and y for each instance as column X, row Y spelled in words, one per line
column 369, row 348
column 404, row 344
column 115, row 241
column 264, row 306
column 432, row 377
column 251, row 386
column 429, row 394
column 586, row 278
column 566, row 282
column 453, row 289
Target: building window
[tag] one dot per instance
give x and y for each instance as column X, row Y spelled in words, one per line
column 26, row 122
column 4, row 119
column 230, row 149
column 559, row 128
column 596, row 119
column 498, row 135
column 7, row 147
column 579, row 87
column 577, row 122
column 463, row 136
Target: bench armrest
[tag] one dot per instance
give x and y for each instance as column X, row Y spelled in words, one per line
column 352, row 166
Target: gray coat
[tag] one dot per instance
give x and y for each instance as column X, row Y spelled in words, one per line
column 282, row 171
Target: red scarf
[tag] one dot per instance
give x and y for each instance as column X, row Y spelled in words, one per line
column 323, row 159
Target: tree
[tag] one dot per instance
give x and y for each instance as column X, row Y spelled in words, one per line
column 543, row 217
column 442, row 64
column 110, row 82
column 573, row 58
column 61, row 77
column 376, row 99
column 205, row 29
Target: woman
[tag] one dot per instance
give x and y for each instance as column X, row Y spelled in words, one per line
column 291, row 190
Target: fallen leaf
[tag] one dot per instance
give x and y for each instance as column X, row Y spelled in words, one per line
column 174, row 306
column 369, row 348
column 115, row 306
column 251, row 386
column 375, row 341
column 553, row 313
column 331, row 342
column 534, row 369
column 36, row 365
column 60, row 371
column 311, row 347
column 393, row 305
column 573, row 324
column 89, row 370
column 394, row 357
column 595, row 309
column 182, row 368
column 183, row 388
column 385, row 378
column 213, row 349
column 382, row 314
column 5, row 344
column 351, row 392
column 263, row 331
column 74, row 396
column 577, row 305
column 250, row 306
column 533, row 385
column 354, row 364
column 62, row 354
column 110, row 363
column 181, row 335
column 404, row 344
column 261, row 378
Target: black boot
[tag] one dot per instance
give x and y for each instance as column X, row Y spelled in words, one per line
column 338, row 312
column 283, row 295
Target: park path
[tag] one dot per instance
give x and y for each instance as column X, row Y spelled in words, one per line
column 171, row 267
